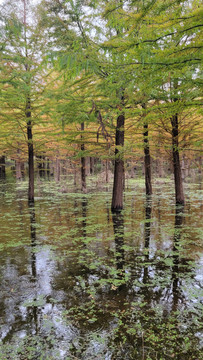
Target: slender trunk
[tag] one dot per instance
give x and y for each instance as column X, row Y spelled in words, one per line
column 39, row 165
column 176, row 161
column 160, row 169
column 200, row 172
column 30, row 151
column 91, row 165
column 183, row 167
column 75, row 173
column 28, row 116
column 159, row 159
column 118, row 185
column 18, row 170
column 83, row 163
column 47, row 168
column 42, row 166
column 2, row 167
column 147, row 162
column 107, row 170
column 57, row 170
column 147, row 159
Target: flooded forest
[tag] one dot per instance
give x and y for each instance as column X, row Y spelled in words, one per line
column 101, row 198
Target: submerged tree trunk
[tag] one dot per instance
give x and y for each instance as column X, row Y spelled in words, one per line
column 30, row 151
column 83, row 163
column 176, row 161
column 118, row 184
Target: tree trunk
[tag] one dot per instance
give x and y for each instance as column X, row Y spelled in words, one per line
column 19, row 165
column 57, row 170
column 91, row 165
column 118, row 184
column 147, row 158
column 147, row 162
column 18, row 169
column 176, row 161
column 200, row 170
column 41, row 165
column 75, row 173
column 107, row 170
column 83, row 163
column 30, row 151
column 2, row 167
column 47, row 168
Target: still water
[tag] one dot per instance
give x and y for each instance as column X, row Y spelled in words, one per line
column 79, row 283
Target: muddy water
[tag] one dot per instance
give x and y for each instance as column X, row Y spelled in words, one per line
column 77, row 283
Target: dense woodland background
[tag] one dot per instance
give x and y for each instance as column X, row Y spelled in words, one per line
column 101, row 87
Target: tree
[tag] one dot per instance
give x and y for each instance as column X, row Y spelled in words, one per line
column 163, row 39
column 22, row 51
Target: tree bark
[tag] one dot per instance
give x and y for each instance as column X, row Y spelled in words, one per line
column 179, row 194
column 30, row 151
column 83, row 163
column 118, row 185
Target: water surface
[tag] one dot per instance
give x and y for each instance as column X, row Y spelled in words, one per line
column 79, row 283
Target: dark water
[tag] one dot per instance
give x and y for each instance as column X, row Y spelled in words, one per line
column 77, row 283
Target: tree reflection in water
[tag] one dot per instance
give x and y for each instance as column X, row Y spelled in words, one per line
column 31, row 207
column 147, row 228
column 176, row 256
column 84, row 216
column 118, row 225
